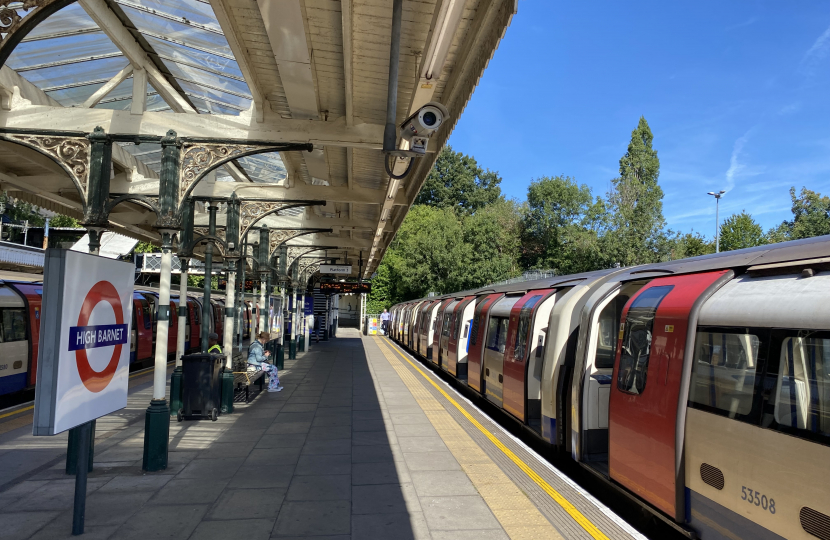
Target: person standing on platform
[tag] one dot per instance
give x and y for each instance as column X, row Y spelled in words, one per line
column 384, row 322
column 213, row 344
column 257, row 356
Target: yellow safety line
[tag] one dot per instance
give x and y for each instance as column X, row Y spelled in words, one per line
column 18, row 411
column 589, row 527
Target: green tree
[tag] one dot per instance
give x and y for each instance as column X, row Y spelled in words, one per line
column 59, row 220
column 811, row 214
column 636, row 204
column 146, row 247
column 20, row 211
column 691, row 244
column 383, row 294
column 811, row 217
column 429, row 253
column 562, row 225
column 492, row 245
column 740, row 231
column 456, row 181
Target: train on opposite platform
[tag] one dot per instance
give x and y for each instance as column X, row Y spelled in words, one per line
column 699, row 387
column 20, row 314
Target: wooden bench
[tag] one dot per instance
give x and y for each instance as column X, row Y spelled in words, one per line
column 245, row 376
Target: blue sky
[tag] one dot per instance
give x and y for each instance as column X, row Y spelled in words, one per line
column 736, row 93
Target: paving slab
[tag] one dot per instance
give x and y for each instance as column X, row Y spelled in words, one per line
column 346, row 451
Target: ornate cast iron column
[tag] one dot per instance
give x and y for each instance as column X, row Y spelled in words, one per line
column 185, row 253
column 231, row 257
column 206, row 307
column 262, row 261
column 157, row 418
column 96, row 214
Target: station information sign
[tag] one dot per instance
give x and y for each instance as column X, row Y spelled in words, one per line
column 344, row 288
column 343, row 269
column 85, row 353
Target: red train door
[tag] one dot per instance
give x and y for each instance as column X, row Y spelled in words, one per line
column 477, row 337
column 515, row 353
column 195, row 326
column 172, row 330
column 646, row 385
column 144, row 329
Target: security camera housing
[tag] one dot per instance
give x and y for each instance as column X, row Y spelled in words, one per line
column 418, row 128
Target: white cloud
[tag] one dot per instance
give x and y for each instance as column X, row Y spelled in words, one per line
column 747, row 22
column 816, row 53
column 735, row 166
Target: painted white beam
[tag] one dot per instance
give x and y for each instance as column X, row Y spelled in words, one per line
column 227, row 21
column 236, row 173
column 276, row 130
column 298, row 222
column 139, row 102
column 120, row 185
column 285, row 26
column 109, row 23
column 25, row 94
column 108, row 87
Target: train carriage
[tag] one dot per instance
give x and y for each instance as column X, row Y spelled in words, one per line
column 682, row 383
column 454, row 354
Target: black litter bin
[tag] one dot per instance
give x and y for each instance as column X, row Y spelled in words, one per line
column 201, row 386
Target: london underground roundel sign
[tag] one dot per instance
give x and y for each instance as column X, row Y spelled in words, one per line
column 83, row 336
column 85, row 354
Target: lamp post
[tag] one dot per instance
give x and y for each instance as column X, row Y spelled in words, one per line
column 717, row 197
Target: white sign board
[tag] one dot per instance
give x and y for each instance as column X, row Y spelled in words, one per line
column 84, row 340
column 336, row 269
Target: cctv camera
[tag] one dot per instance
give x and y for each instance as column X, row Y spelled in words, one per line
column 420, row 126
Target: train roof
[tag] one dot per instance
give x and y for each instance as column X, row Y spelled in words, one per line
column 767, row 255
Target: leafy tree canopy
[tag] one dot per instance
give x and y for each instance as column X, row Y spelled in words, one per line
column 740, row 231
column 811, row 217
column 562, row 224
column 636, row 204
column 457, row 182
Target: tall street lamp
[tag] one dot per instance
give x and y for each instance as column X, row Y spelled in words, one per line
column 717, row 197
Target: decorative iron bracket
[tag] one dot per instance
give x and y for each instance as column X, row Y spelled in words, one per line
column 70, row 150
column 253, row 210
column 200, row 156
column 18, row 18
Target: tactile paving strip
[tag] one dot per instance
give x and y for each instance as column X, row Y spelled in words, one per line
column 517, row 514
column 596, row 522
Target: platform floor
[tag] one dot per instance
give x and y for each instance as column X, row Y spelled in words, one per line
column 363, row 443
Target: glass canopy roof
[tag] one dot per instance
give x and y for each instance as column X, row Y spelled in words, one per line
column 69, row 57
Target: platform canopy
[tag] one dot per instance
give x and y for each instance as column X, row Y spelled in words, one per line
column 280, row 71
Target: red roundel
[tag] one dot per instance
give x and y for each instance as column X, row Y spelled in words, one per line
column 95, row 381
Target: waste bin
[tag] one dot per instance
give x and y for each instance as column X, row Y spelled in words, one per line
column 201, row 386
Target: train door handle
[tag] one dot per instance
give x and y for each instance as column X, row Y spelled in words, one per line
column 487, row 371
column 501, row 379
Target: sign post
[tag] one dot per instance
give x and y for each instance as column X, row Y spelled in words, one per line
column 83, row 371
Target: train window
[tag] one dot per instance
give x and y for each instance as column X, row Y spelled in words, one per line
column 609, row 322
column 14, row 325
column 802, row 389
column 476, row 317
column 497, row 333
column 145, row 311
column 446, row 330
column 723, row 371
column 522, row 330
column 636, row 345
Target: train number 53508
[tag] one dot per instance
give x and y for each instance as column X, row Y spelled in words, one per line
column 756, row 498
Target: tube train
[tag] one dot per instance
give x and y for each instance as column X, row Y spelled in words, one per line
column 701, row 387
column 20, row 313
